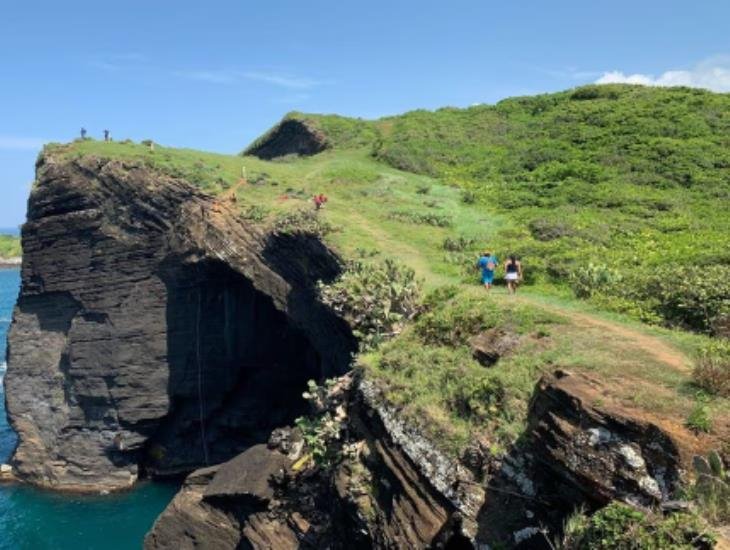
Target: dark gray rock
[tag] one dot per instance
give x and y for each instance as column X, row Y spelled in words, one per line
column 154, row 329
column 289, row 137
column 489, row 346
column 248, row 474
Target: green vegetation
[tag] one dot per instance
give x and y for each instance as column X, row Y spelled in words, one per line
column 711, row 489
column 616, row 195
column 712, row 368
column 9, row 246
column 621, row 527
column 376, row 299
column 633, row 179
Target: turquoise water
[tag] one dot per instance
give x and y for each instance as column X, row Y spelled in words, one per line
column 39, row 520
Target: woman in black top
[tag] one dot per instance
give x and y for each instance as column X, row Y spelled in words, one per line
column 513, row 268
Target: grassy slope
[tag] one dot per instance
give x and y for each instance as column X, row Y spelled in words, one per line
column 9, row 246
column 364, row 193
column 634, row 181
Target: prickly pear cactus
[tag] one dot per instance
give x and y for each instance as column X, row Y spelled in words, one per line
column 713, row 482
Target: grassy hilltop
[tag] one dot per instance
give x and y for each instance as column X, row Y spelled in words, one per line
column 617, row 194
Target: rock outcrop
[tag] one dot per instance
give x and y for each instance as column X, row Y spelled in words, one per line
column 155, row 331
column 290, row 137
column 393, row 488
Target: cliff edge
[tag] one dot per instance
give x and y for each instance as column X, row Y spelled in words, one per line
column 154, row 332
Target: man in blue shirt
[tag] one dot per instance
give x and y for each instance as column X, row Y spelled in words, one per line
column 487, row 263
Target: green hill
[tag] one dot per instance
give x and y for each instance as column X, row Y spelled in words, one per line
column 619, row 192
column 569, row 182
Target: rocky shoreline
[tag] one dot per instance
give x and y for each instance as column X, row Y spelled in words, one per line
column 11, row 263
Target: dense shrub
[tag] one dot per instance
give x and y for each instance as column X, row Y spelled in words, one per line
column 455, row 323
column 621, row 527
column 422, row 218
column 376, row 299
column 254, row 213
column 458, row 244
column 712, row 368
column 303, row 221
column 547, row 230
column 593, row 278
column 693, row 297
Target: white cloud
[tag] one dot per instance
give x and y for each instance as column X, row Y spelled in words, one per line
column 227, row 76
column 16, row 143
column 711, row 74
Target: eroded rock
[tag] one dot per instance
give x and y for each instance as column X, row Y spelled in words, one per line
column 154, row 328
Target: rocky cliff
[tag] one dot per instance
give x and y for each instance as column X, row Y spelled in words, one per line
column 155, row 331
column 158, row 334
column 393, row 488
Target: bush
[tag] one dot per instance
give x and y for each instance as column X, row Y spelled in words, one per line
column 593, row 278
column 694, row 297
column 621, row 527
column 254, row 213
column 376, row 299
column 475, row 397
column 711, row 488
column 712, row 368
column 455, row 323
column 700, row 419
column 422, row 218
column 458, row 244
column 548, row 230
column 306, row 222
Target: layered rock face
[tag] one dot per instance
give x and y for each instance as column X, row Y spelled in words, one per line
column 155, row 330
column 393, row 488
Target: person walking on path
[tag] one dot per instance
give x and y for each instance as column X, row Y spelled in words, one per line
column 487, row 263
column 513, row 273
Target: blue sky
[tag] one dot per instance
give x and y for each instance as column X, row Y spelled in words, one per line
column 213, row 75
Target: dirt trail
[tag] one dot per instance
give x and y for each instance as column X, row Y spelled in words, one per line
column 661, row 350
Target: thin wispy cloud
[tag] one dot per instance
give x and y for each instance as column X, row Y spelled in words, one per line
column 17, row 143
column 711, row 74
column 117, row 62
column 230, row 76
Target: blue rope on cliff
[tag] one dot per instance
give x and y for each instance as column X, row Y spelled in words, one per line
column 200, row 378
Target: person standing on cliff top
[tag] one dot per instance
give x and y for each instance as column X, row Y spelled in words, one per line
column 83, row 133
column 487, row 263
column 106, row 135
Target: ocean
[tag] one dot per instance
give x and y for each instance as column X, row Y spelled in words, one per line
column 33, row 519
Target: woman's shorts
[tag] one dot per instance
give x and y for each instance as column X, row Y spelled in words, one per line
column 511, row 277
